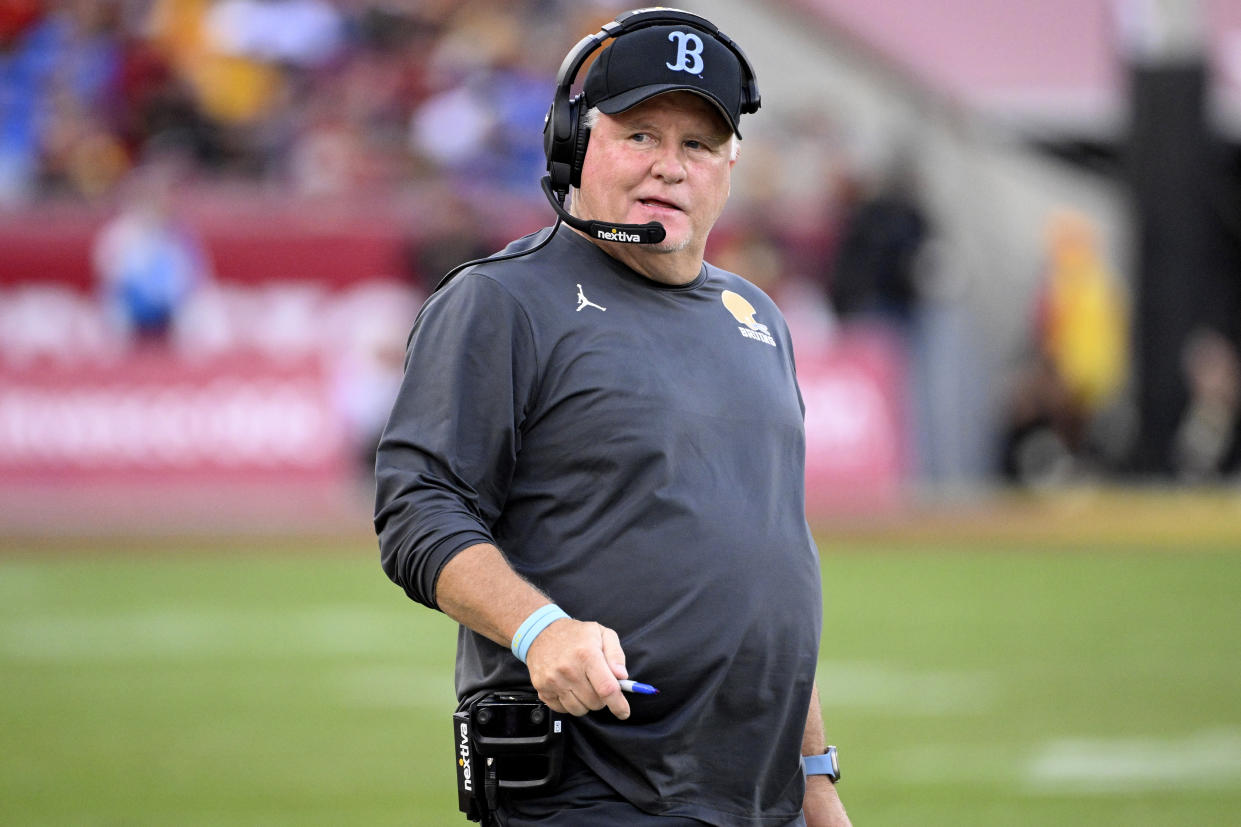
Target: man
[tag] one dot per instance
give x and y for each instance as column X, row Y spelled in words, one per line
column 595, row 465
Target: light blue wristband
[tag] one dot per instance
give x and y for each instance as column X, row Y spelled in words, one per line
column 530, row 628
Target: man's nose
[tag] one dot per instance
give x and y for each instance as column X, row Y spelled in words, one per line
column 669, row 165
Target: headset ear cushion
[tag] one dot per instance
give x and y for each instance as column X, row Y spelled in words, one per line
column 581, row 138
column 559, row 139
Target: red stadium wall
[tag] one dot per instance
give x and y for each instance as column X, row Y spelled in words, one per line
column 155, row 416
column 243, row 248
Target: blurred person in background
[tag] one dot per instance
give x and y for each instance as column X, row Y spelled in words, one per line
column 1206, row 446
column 447, row 235
column 1080, row 363
column 60, row 67
column 874, row 273
column 595, row 464
column 148, row 263
column 489, row 78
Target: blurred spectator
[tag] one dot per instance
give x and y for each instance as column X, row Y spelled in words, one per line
column 1041, row 427
column 1206, row 446
column 368, row 363
column 875, row 269
column 452, row 129
column 1080, row 364
column 148, row 264
column 446, row 236
column 25, row 66
column 58, row 72
column 293, row 32
column 80, row 151
column 892, row 269
column 1083, row 317
column 486, row 120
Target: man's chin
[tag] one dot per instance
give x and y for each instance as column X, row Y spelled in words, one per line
column 670, row 245
column 675, row 240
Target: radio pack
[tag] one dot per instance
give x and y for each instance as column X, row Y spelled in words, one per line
column 504, row 740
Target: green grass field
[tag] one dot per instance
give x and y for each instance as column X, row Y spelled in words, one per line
column 970, row 678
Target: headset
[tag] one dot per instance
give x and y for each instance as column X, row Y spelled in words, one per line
column 565, row 134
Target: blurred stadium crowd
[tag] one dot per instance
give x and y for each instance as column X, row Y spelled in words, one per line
column 311, row 95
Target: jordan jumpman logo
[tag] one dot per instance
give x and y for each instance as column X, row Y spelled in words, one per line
column 583, row 302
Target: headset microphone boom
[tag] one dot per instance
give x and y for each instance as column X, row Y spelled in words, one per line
column 650, row 233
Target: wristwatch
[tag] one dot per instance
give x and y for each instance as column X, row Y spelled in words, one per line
column 825, row 764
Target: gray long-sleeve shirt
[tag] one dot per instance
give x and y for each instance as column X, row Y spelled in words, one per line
column 637, row 452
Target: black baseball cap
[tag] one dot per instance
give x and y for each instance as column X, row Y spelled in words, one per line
column 641, row 64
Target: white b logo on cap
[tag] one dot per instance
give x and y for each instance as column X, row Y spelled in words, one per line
column 689, row 53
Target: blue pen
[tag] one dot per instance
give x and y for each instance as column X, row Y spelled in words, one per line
column 638, row 688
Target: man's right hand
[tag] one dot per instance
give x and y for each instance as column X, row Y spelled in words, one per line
column 575, row 665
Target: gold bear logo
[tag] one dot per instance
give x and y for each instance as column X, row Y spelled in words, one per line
column 742, row 310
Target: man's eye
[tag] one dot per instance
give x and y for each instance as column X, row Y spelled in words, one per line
column 640, row 137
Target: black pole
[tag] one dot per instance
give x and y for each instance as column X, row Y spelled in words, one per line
column 1171, row 170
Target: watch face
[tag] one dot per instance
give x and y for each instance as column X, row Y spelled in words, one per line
column 831, row 752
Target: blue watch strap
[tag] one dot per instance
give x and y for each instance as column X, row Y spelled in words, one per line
column 824, row 764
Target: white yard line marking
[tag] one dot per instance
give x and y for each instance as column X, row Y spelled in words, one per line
column 1203, row 760
column 330, row 630
column 866, row 685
